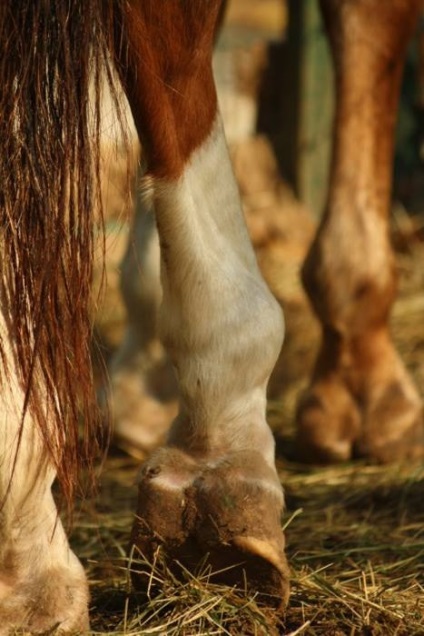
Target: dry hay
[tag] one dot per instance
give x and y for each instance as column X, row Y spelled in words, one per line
column 355, row 543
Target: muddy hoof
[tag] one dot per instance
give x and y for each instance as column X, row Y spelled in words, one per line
column 225, row 513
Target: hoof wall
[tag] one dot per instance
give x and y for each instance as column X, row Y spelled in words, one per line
column 225, row 514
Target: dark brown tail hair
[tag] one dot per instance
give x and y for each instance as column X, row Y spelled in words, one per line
column 52, row 59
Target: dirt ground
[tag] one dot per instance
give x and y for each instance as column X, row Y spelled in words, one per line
column 355, row 532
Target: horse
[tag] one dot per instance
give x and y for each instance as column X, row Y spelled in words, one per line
column 213, row 488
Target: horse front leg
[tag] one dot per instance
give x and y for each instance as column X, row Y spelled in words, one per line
column 361, row 400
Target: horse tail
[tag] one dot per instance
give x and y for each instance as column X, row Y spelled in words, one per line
column 52, row 59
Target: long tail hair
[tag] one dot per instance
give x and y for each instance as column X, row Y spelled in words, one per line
column 52, row 56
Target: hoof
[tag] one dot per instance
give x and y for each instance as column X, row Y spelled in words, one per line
column 382, row 421
column 141, row 421
column 393, row 426
column 328, row 422
column 225, row 513
column 54, row 601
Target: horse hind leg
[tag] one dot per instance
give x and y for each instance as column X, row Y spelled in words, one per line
column 213, row 489
column 361, row 400
column 42, row 583
column 142, row 392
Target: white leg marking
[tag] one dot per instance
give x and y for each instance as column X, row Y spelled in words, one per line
column 221, row 325
column 143, row 387
column 36, row 563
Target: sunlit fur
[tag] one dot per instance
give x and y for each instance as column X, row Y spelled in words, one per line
column 51, row 56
